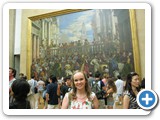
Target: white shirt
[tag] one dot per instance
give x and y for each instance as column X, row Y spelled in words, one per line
column 11, row 81
column 119, row 84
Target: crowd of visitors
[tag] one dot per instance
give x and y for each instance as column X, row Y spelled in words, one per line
column 76, row 91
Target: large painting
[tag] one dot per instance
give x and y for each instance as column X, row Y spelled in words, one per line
column 89, row 40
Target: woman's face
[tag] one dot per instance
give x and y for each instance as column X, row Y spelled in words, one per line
column 79, row 80
column 135, row 81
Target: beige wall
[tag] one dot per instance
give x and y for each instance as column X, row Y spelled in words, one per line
column 11, row 37
column 140, row 17
column 24, row 36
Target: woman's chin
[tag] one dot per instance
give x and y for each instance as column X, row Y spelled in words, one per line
column 80, row 88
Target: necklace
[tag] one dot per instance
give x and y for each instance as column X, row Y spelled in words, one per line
column 81, row 97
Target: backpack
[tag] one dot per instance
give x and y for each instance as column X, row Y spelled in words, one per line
column 96, row 87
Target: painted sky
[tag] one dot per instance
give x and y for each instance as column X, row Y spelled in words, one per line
column 70, row 25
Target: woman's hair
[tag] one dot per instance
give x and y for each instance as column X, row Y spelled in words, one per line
column 112, row 85
column 87, row 87
column 20, row 89
column 128, row 86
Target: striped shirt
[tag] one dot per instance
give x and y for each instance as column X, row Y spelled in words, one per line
column 132, row 103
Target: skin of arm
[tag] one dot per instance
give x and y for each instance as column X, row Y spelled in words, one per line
column 126, row 102
column 104, row 88
column 109, row 90
column 58, row 90
column 95, row 103
column 47, row 97
column 58, row 93
column 65, row 103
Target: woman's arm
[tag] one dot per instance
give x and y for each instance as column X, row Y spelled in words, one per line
column 65, row 102
column 126, row 102
column 110, row 90
column 95, row 103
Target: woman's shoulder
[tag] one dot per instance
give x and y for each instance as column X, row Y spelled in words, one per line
column 127, row 93
column 68, row 95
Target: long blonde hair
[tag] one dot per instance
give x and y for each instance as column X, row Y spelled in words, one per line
column 87, row 87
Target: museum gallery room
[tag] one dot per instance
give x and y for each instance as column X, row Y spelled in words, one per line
column 45, row 42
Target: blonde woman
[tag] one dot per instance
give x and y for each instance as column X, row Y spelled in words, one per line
column 80, row 97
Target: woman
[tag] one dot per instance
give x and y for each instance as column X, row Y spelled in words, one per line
column 80, row 97
column 111, row 88
column 132, row 88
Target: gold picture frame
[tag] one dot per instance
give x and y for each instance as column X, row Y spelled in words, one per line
column 126, row 42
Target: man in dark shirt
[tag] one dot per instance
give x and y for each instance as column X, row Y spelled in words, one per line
column 53, row 91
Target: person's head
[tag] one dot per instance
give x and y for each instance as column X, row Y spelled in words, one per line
column 24, row 77
column 132, row 81
column 90, row 74
column 97, row 75
column 118, row 77
column 79, row 82
column 52, row 79
column 20, row 89
column 68, row 80
column 112, row 85
column 12, row 72
column 32, row 77
column 21, row 75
